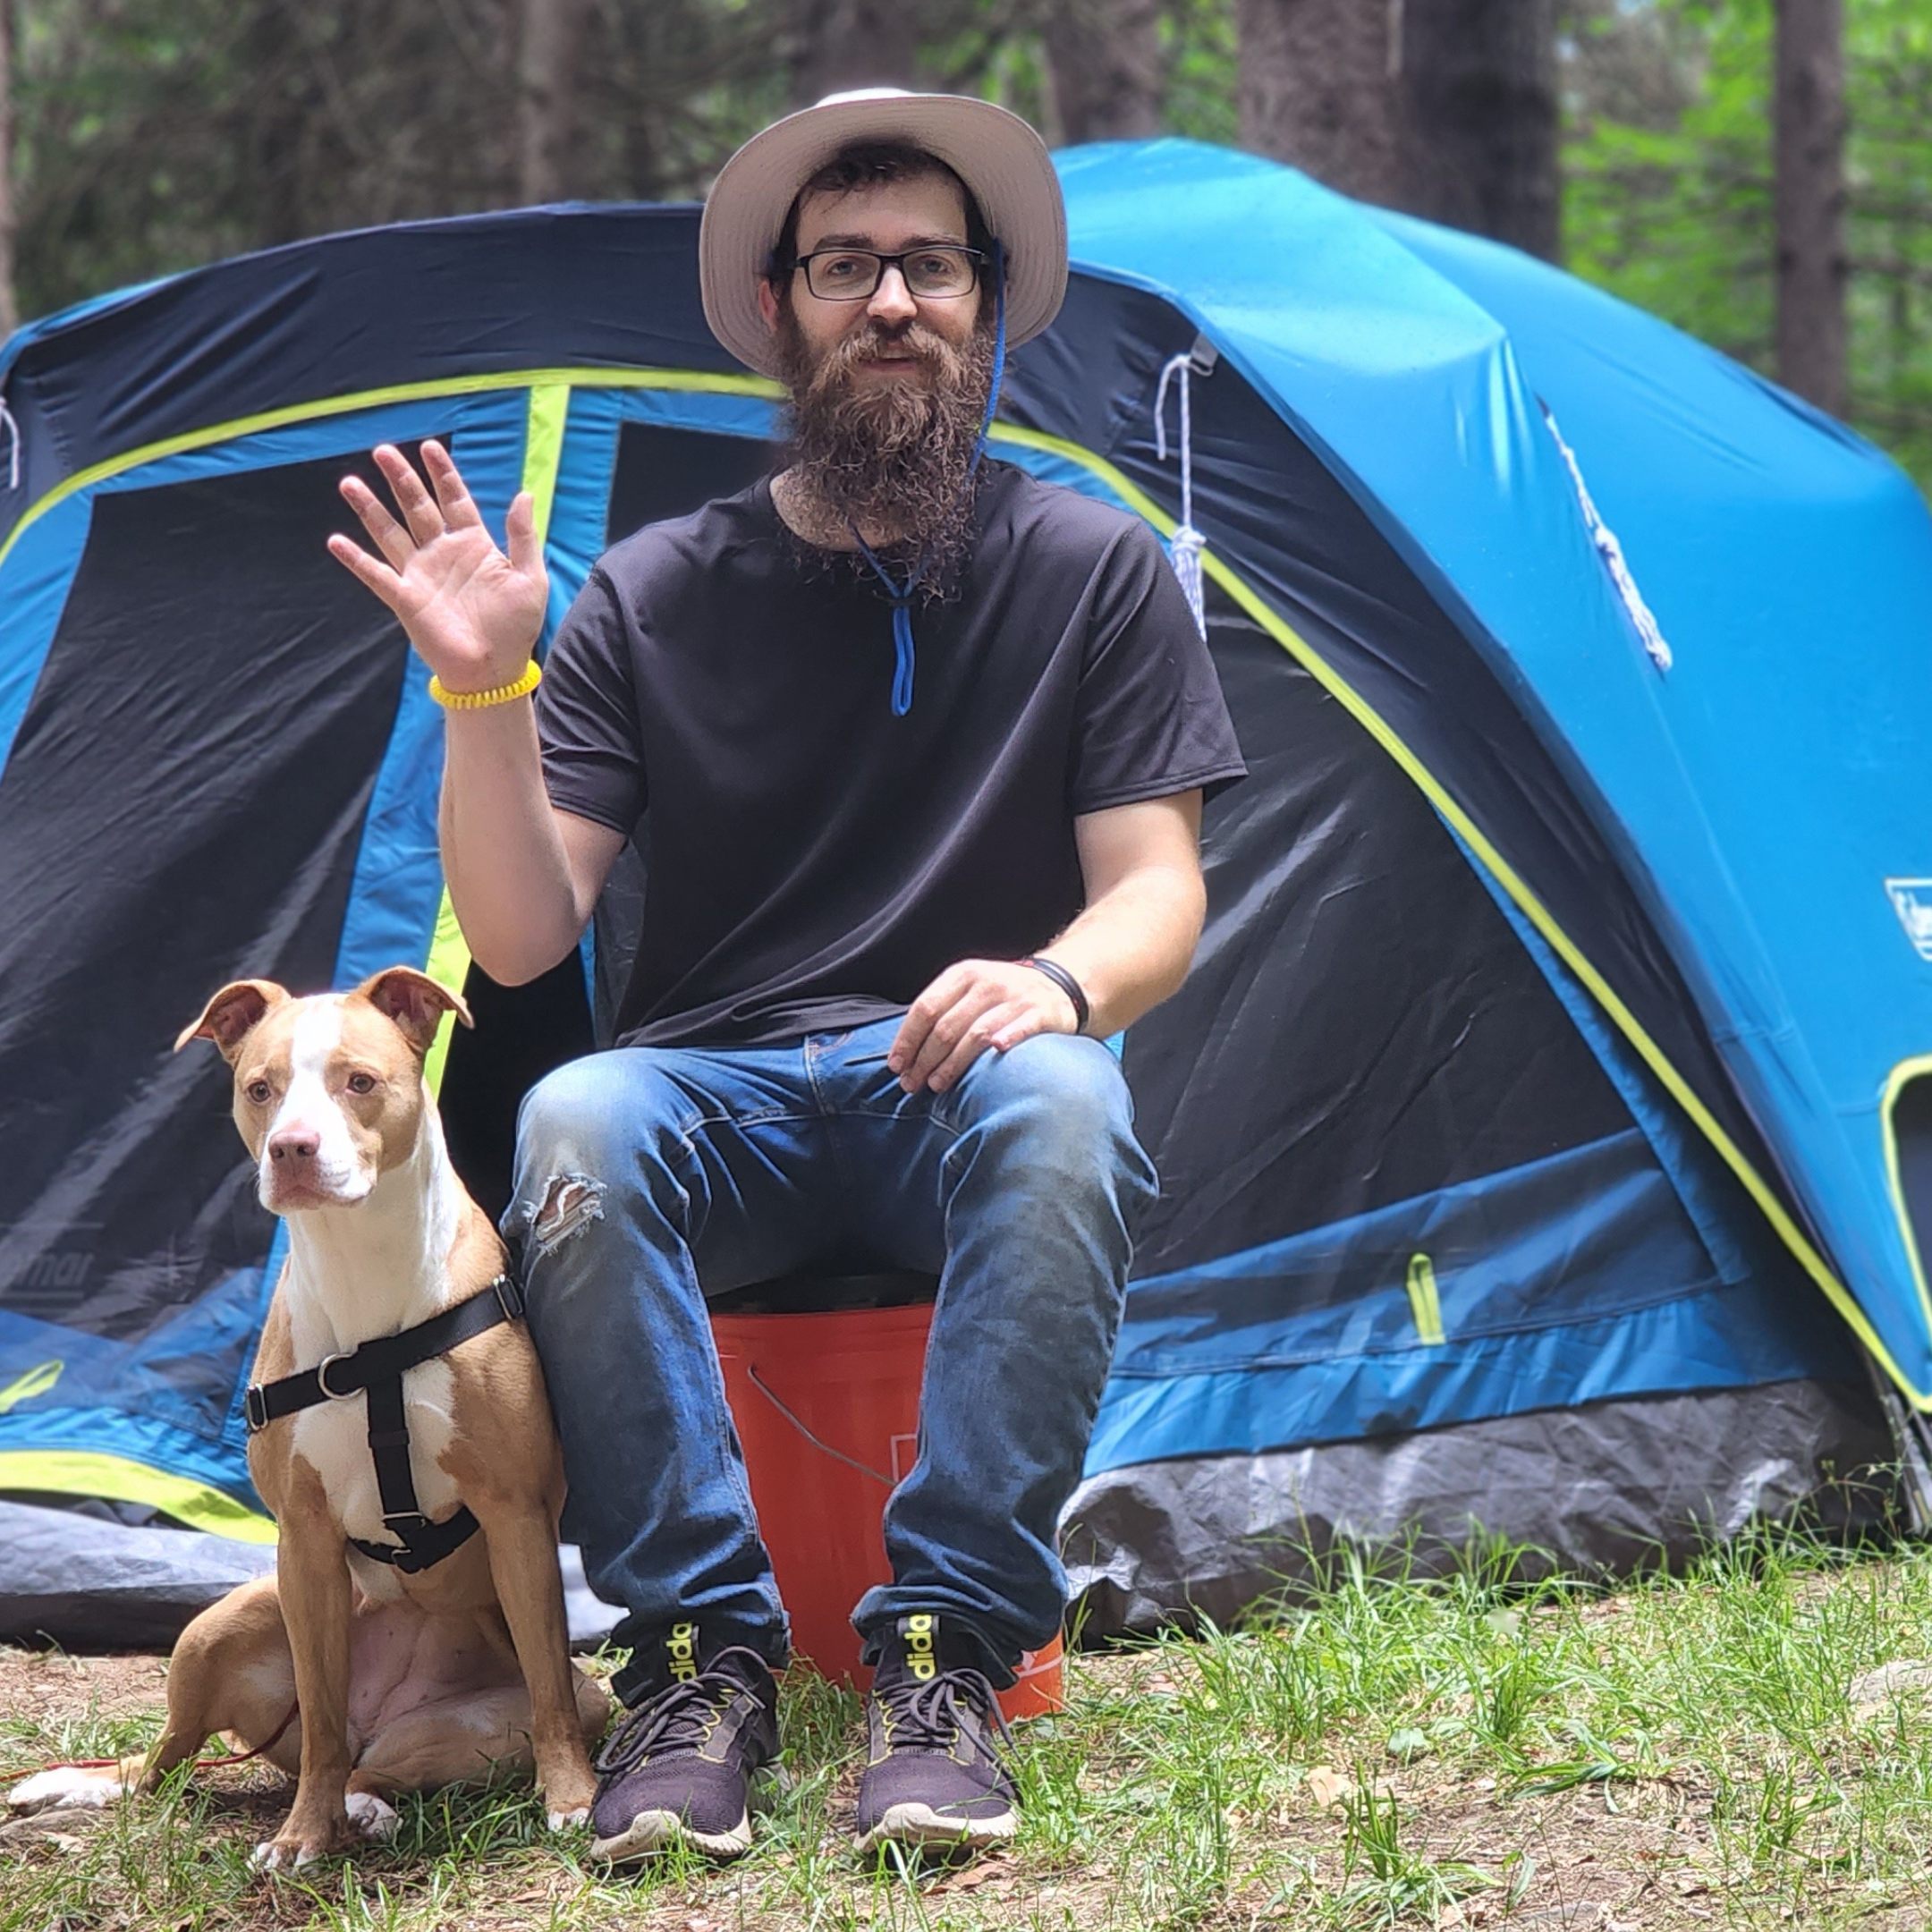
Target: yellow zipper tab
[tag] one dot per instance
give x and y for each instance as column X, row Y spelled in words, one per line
column 1424, row 1300
column 37, row 1381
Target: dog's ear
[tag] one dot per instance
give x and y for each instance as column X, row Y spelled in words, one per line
column 415, row 1002
column 232, row 1014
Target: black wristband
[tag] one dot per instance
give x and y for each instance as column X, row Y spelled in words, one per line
column 1067, row 984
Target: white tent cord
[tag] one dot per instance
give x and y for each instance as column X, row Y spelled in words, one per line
column 1185, row 547
column 1612, row 552
column 14, row 444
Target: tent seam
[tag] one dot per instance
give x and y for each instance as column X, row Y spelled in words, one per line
column 449, row 959
column 368, row 399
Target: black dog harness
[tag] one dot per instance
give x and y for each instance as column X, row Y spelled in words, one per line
column 378, row 1366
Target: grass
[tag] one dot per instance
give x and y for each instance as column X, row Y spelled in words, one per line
column 1689, row 1751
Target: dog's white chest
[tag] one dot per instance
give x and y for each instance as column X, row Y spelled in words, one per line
column 332, row 1438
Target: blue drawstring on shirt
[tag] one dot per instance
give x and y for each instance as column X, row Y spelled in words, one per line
column 902, row 595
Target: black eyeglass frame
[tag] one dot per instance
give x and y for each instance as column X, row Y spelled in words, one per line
column 976, row 259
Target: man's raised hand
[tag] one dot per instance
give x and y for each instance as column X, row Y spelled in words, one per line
column 473, row 614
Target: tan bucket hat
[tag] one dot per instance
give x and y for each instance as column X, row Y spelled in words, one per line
column 994, row 153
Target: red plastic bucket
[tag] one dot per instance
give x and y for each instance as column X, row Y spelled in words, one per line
column 827, row 1409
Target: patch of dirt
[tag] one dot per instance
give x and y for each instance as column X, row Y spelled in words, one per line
column 49, row 1686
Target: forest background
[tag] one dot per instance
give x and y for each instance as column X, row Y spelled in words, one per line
column 1700, row 158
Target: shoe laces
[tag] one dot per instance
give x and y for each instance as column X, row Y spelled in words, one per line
column 928, row 1715
column 677, row 1721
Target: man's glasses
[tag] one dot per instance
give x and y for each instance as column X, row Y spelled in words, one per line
column 854, row 274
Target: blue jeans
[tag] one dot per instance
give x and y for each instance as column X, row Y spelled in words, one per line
column 643, row 1172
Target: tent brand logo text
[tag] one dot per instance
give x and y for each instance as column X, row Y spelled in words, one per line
column 52, row 1268
column 921, row 1659
column 682, row 1647
column 1911, row 900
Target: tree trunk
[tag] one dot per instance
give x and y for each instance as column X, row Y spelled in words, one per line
column 1109, row 70
column 1318, row 88
column 279, row 117
column 1443, row 108
column 9, row 309
column 1809, row 133
column 549, row 43
column 839, row 45
column 1479, row 118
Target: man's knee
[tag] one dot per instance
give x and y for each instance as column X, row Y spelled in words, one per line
column 565, row 1116
column 589, row 1125
column 1046, row 1165
column 1061, row 1103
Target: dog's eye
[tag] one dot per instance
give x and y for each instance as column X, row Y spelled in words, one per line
column 362, row 1084
column 257, row 1091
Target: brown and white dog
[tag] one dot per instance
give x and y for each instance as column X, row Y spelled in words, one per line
column 402, row 1683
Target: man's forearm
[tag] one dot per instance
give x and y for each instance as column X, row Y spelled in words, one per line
column 1131, row 949
column 503, row 853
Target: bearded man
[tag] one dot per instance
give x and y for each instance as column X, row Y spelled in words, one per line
column 914, row 748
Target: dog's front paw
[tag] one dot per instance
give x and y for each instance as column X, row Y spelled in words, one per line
column 569, row 1792
column 284, row 1854
column 65, row 1785
column 296, row 1845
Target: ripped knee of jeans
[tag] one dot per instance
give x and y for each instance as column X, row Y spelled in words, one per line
column 570, row 1203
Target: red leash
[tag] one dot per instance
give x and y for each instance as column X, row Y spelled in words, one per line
column 200, row 1764
column 241, row 1758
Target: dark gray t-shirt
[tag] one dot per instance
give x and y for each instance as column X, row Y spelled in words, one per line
column 814, row 861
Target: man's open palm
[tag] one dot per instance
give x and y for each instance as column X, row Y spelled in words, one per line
column 473, row 614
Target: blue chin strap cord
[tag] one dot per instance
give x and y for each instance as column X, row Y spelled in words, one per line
column 902, row 595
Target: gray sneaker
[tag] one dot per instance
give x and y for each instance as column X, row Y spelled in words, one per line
column 678, row 1770
column 933, row 1776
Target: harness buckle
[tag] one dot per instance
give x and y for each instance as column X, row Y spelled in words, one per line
column 414, row 1518
column 255, row 1405
column 509, row 1297
column 321, row 1376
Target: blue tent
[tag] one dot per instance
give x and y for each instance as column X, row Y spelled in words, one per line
column 1546, row 1130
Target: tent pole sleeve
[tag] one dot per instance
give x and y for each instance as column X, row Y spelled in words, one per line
column 87, row 1473
column 448, row 964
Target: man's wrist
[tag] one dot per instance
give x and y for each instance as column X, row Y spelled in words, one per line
column 505, row 692
column 1075, row 993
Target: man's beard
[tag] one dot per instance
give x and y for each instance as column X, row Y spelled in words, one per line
column 894, row 457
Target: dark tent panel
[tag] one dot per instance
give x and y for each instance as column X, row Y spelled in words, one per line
column 1366, row 1028
column 663, row 473
column 520, row 1033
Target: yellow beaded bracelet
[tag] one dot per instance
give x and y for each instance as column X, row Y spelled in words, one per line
column 475, row 701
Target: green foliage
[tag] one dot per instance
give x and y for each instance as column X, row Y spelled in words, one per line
column 155, row 134
column 1891, row 173
column 1667, row 198
column 1384, row 1878
column 1204, row 60
column 1676, row 218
